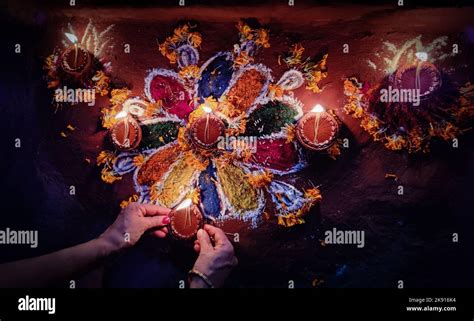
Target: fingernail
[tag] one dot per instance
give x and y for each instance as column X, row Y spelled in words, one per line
column 200, row 231
column 166, row 220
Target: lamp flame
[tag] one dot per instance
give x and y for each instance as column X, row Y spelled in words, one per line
column 423, row 56
column 72, row 38
column 207, row 109
column 184, row 204
column 121, row 114
column 317, row 109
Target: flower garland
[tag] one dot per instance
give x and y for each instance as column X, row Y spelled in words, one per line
column 451, row 125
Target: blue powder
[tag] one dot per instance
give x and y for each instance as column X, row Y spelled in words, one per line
column 216, row 77
column 209, row 198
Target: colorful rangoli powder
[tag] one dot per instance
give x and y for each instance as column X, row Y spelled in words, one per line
column 172, row 94
column 236, row 188
column 276, row 154
column 177, row 181
column 270, row 118
column 209, row 197
column 216, row 76
column 246, row 89
column 157, row 165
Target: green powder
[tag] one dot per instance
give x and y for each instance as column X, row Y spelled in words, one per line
column 159, row 134
column 270, row 118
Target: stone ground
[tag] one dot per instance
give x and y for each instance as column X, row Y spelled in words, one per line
column 407, row 237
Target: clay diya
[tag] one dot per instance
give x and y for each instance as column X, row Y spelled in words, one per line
column 317, row 130
column 422, row 76
column 126, row 133
column 206, row 130
column 76, row 61
column 185, row 220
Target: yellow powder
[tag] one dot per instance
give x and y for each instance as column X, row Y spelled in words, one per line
column 178, row 179
column 236, row 188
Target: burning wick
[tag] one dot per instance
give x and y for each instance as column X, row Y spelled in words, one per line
column 318, row 109
column 74, row 40
column 123, row 115
column 75, row 56
column 188, row 217
column 186, row 204
column 208, row 111
column 422, row 57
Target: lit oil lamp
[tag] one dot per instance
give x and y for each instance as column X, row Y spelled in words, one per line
column 185, row 220
column 126, row 133
column 317, row 130
column 421, row 76
column 75, row 60
column 206, row 130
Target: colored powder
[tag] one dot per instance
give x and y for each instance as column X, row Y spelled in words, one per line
column 286, row 195
column 174, row 97
column 276, row 154
column 178, row 180
column 246, row 89
column 216, row 77
column 209, row 198
column 237, row 189
column 157, row 165
column 270, row 118
column 159, row 134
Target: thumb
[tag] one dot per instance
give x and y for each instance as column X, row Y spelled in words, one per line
column 204, row 240
column 157, row 221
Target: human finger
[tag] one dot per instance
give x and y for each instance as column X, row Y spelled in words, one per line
column 157, row 221
column 204, row 240
column 159, row 233
column 219, row 236
column 153, row 210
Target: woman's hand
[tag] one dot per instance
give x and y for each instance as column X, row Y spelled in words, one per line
column 214, row 261
column 132, row 222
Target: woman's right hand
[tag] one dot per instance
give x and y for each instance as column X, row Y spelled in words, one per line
column 215, row 261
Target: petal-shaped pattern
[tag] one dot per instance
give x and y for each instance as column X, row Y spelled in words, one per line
column 277, row 155
column 210, row 200
column 216, row 74
column 272, row 117
column 248, row 87
column 144, row 196
column 187, row 55
column 240, row 197
column 291, row 80
column 135, row 106
column 165, row 85
column 156, row 165
column 286, row 197
column 124, row 163
column 176, row 184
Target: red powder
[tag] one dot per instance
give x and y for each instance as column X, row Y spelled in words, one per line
column 175, row 97
column 275, row 154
